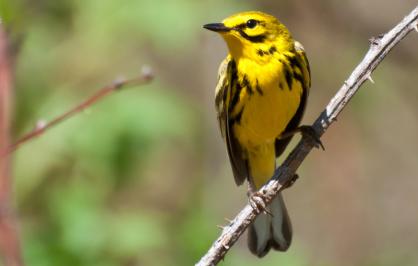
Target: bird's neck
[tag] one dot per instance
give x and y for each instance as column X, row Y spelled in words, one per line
column 260, row 53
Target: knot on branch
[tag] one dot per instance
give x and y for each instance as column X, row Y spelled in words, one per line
column 375, row 41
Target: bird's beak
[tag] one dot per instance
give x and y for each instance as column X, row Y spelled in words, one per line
column 218, row 27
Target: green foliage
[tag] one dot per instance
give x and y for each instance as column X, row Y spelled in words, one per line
column 132, row 180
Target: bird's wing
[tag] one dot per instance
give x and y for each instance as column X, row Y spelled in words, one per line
column 220, row 94
column 222, row 98
column 306, row 71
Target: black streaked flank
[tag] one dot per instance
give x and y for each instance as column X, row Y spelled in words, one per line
column 281, row 85
column 272, row 49
column 258, row 88
column 281, row 144
column 261, row 52
column 289, row 76
column 245, row 83
column 298, row 78
column 294, row 62
column 236, row 119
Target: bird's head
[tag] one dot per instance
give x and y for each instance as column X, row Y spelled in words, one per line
column 253, row 34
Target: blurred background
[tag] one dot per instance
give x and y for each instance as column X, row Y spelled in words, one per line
column 142, row 178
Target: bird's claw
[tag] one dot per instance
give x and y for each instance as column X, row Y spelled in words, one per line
column 310, row 133
column 257, row 203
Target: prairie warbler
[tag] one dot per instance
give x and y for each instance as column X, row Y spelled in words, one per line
column 262, row 90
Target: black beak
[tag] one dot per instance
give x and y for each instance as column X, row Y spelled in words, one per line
column 218, row 27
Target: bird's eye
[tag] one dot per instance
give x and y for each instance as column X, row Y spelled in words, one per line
column 251, row 23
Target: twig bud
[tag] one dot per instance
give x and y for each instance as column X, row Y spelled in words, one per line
column 119, row 82
column 40, row 125
column 146, row 72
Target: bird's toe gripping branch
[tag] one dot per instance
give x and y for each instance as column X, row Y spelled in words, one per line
column 257, row 202
column 308, row 132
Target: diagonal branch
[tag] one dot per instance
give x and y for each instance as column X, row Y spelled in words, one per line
column 41, row 127
column 379, row 48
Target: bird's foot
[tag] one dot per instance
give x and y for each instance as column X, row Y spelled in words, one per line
column 307, row 132
column 256, row 201
column 310, row 133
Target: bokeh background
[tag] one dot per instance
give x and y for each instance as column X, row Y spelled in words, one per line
column 142, row 178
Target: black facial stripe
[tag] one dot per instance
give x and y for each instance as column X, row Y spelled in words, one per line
column 244, row 25
column 255, row 39
column 240, row 26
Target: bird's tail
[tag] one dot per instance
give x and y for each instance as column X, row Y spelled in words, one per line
column 271, row 231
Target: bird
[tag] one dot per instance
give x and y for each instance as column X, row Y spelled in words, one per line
column 260, row 98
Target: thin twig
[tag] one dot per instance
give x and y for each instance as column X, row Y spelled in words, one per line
column 10, row 252
column 42, row 127
column 379, row 48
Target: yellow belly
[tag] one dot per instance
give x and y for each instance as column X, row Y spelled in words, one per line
column 264, row 118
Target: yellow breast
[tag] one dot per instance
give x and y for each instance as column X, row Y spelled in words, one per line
column 269, row 108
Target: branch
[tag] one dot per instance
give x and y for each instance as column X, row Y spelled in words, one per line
column 42, row 127
column 379, row 48
column 9, row 237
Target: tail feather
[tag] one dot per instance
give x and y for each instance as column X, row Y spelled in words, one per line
column 271, row 231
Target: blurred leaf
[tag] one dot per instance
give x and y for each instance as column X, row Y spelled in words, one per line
column 196, row 234
column 131, row 235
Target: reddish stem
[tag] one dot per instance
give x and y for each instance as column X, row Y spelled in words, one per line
column 40, row 129
column 9, row 239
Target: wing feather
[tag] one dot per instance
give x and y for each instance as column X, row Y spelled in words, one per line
column 306, row 71
column 222, row 98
